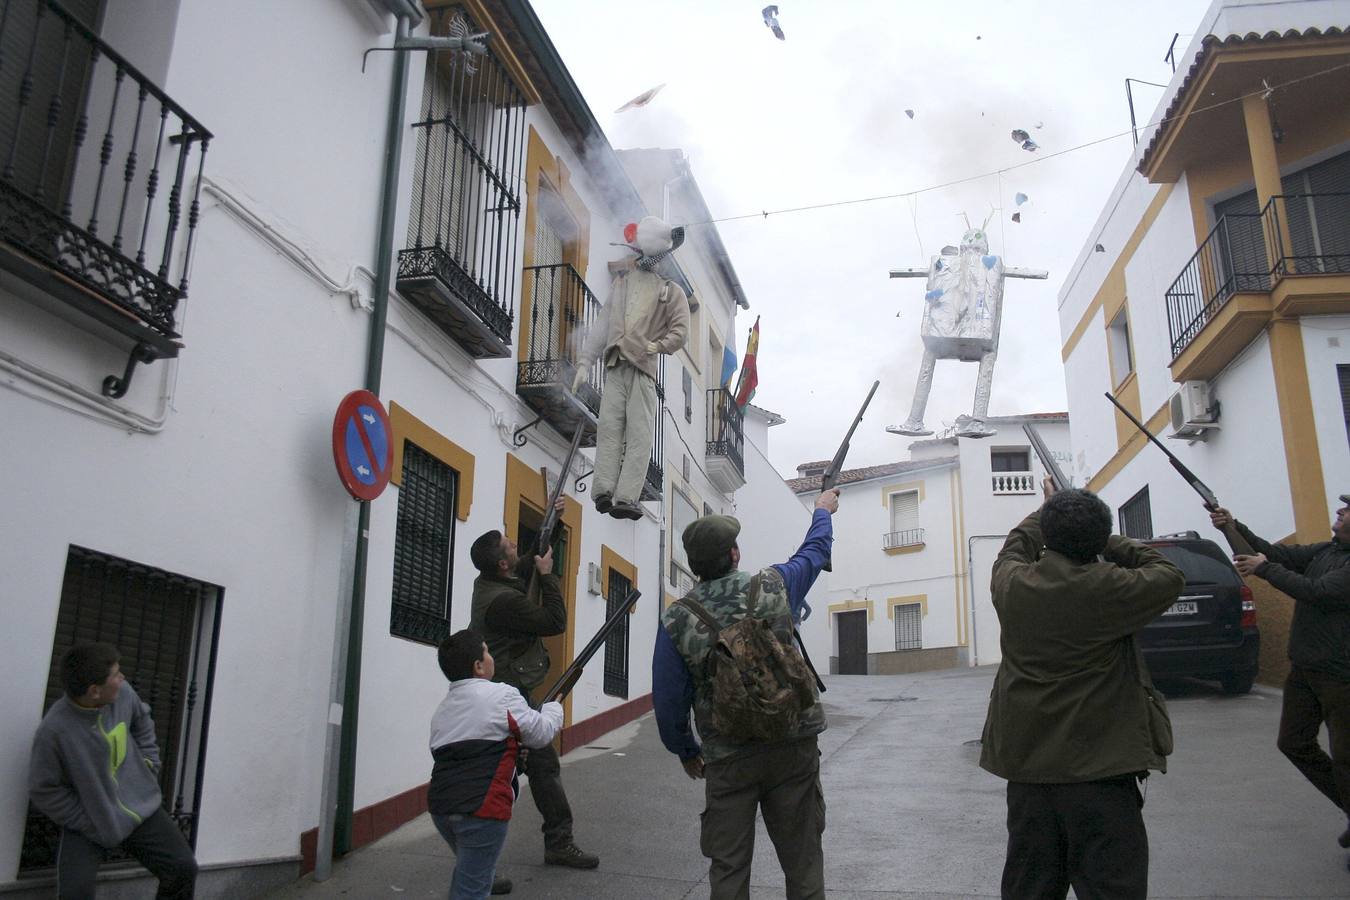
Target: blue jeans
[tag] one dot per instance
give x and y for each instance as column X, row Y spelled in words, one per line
column 477, row 843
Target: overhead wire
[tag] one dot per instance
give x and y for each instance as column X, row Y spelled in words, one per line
column 1264, row 90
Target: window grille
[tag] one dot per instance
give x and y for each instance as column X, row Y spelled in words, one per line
column 424, row 544
column 616, row 645
column 1136, row 517
column 909, row 626
column 1343, row 375
column 165, row 626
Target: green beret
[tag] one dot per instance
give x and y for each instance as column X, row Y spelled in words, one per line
column 710, row 537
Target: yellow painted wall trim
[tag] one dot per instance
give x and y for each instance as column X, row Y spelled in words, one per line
column 525, row 484
column 910, row 600
column 610, row 559
column 1302, row 456
column 900, row 488
column 958, row 531
column 1114, row 283
column 406, row 426
column 1127, row 451
column 505, row 55
column 849, row 606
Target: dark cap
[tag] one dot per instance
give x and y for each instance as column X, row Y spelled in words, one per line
column 710, row 537
column 1345, row 498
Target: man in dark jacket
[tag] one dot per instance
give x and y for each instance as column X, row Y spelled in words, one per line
column 1073, row 719
column 1317, row 690
column 514, row 627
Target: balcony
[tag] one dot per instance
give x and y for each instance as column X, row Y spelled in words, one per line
column 88, row 145
column 460, row 264
column 1292, row 258
column 562, row 310
column 725, row 453
column 1006, row 483
column 899, row 540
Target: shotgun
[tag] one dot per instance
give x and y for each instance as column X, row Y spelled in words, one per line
column 1051, row 467
column 1230, row 532
column 830, row 476
column 550, row 522
column 568, row 680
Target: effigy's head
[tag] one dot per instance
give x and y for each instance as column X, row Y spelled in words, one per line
column 975, row 239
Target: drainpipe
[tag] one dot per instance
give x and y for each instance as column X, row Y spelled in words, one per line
column 408, row 16
column 970, row 581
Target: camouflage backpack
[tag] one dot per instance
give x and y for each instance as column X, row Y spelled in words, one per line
column 759, row 686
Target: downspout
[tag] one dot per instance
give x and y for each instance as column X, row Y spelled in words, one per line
column 970, row 581
column 408, row 16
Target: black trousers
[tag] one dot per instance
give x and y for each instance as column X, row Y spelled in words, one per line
column 783, row 782
column 545, row 772
column 156, row 844
column 1089, row 835
column 1311, row 698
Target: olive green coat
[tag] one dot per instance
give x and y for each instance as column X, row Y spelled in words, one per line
column 1068, row 704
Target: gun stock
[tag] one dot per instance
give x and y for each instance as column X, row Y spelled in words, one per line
column 830, row 477
column 1230, row 532
column 572, row 673
column 1043, row 453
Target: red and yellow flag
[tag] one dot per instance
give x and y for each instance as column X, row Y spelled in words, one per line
column 749, row 379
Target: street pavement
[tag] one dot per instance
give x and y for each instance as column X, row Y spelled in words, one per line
column 909, row 812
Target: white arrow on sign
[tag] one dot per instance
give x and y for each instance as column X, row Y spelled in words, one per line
column 362, row 470
column 370, row 420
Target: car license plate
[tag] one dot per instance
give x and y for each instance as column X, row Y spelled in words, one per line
column 1183, row 608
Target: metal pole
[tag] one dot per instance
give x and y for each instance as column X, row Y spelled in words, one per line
column 323, row 863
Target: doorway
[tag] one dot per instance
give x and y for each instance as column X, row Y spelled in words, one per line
column 852, row 642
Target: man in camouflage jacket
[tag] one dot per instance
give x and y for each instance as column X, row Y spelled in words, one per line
column 780, row 779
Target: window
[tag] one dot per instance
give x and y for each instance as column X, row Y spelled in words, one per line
column 1118, row 345
column 1343, row 375
column 687, row 382
column 1136, row 518
column 1010, row 460
column 904, row 513
column 616, row 645
column 424, row 543
column 909, row 626
column 682, row 513
column 165, row 626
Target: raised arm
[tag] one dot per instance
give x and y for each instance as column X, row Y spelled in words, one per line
column 1018, row 272
column 803, row 567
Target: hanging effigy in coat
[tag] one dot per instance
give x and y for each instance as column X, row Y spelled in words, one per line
column 963, row 309
column 646, row 315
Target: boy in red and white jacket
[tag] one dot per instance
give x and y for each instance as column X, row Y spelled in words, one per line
column 476, row 735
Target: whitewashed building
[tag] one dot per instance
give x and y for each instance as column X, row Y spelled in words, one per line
column 915, row 542
column 203, row 226
column 1212, row 296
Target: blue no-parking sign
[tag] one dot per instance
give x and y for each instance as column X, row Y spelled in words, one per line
column 362, row 445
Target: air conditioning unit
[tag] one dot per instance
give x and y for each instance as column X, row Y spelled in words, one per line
column 594, row 579
column 1193, row 411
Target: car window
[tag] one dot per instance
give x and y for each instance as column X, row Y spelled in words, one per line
column 1200, row 563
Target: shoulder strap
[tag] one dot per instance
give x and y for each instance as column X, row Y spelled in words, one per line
column 699, row 610
column 753, row 597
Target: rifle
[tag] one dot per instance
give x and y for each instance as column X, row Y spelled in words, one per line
column 563, row 686
column 1230, row 532
column 550, row 522
column 830, row 476
column 1051, row 467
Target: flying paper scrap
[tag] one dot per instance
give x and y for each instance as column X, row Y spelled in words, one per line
column 641, row 99
column 1021, row 137
column 1020, row 198
column 910, row 113
column 1017, row 217
column 770, row 14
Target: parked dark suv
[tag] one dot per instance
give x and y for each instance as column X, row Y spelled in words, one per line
column 1210, row 631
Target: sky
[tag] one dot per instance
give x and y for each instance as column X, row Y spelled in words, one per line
column 820, row 118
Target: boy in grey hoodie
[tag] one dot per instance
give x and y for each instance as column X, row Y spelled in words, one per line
column 95, row 772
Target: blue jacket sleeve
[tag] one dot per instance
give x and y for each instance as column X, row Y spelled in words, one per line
column 672, row 697
column 801, row 570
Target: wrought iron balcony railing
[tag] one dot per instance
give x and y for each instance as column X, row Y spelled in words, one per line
column 726, row 428
column 910, row 537
column 88, row 146
column 1248, row 252
column 562, row 310
column 460, row 263
column 1014, row 482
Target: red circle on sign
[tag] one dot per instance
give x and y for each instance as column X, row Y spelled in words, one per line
column 363, row 445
